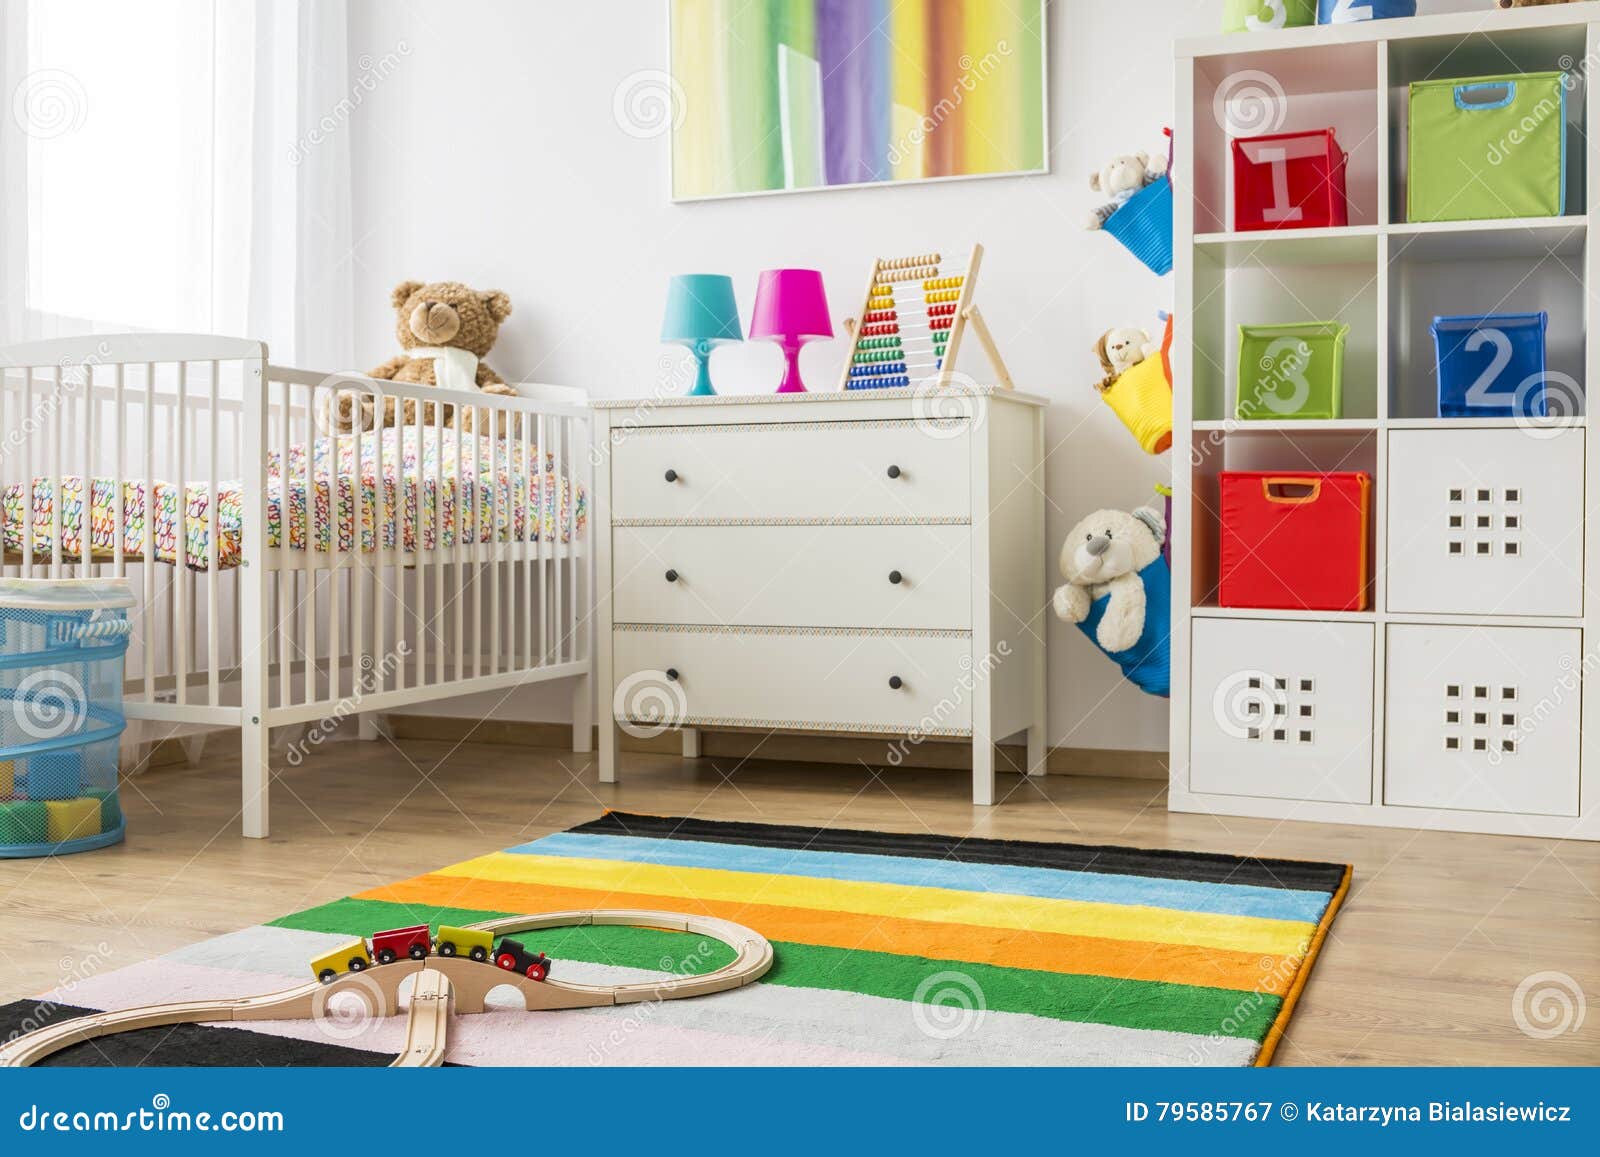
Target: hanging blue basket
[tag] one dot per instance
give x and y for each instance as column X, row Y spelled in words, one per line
column 1144, row 225
column 1356, row 11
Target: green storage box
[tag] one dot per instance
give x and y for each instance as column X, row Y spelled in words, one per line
column 1293, row 371
column 110, row 808
column 1263, row 15
column 1487, row 148
column 23, row 822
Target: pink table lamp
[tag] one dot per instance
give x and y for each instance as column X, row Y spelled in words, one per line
column 791, row 309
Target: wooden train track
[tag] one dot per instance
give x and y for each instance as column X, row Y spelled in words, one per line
column 442, row 984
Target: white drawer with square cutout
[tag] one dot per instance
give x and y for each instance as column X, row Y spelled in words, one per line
column 813, row 576
column 1486, row 522
column 893, row 469
column 1282, row 709
column 1483, row 718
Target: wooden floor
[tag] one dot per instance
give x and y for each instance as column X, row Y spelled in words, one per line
column 1422, row 966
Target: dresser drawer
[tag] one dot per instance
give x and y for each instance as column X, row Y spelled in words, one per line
column 898, row 468
column 799, row 576
column 1486, row 522
column 827, row 680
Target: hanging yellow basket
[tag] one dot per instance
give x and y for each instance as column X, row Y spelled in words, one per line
column 1142, row 398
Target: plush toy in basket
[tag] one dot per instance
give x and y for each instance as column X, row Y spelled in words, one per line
column 1118, row 592
column 1137, row 383
column 446, row 329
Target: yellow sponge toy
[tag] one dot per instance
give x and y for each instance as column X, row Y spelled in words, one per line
column 72, row 819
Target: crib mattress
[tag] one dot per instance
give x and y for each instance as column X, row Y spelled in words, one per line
column 376, row 502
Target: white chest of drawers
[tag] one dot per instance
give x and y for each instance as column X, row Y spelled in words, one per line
column 861, row 563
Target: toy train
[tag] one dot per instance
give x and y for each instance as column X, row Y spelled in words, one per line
column 415, row 943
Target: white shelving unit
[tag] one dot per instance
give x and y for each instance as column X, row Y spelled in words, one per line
column 1458, row 700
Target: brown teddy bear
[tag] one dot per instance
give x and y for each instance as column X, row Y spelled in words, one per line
column 445, row 329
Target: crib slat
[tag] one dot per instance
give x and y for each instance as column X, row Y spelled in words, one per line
column 419, row 603
column 214, row 507
column 285, row 581
column 461, row 535
column 360, row 673
column 380, row 610
column 152, row 615
column 180, row 507
column 308, row 593
column 437, row 622
column 529, row 541
column 398, row 571
column 57, row 489
column 119, row 560
column 544, row 629
column 86, row 527
column 494, row 539
column 27, row 473
column 329, row 407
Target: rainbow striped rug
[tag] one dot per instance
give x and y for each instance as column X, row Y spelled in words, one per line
column 890, row 949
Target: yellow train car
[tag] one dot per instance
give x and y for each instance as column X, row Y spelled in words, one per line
column 467, row 942
column 351, row 957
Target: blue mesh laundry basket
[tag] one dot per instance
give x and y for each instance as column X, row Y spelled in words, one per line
column 1144, row 225
column 61, row 649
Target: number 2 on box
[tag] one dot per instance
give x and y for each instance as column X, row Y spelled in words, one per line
column 1349, row 11
column 1482, row 391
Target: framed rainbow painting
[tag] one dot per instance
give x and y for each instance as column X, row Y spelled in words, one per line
column 785, row 95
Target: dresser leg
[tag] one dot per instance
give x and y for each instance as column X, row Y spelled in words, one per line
column 583, row 714
column 691, row 743
column 1037, row 752
column 608, row 749
column 982, row 770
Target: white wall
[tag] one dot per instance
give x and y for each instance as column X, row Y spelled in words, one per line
column 490, row 153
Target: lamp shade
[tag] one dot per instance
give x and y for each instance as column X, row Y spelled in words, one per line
column 701, row 308
column 791, row 303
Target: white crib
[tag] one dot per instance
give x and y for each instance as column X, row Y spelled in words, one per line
column 254, row 622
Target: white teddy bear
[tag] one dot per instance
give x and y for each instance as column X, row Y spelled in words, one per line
column 1103, row 555
column 1120, row 349
column 1120, row 178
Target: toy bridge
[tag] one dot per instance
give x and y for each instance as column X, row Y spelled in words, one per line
column 441, row 982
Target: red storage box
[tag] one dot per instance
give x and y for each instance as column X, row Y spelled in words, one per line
column 1295, row 540
column 1289, row 181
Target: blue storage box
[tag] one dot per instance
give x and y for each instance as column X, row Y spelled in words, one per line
column 1491, row 365
column 1355, row 11
column 1144, row 225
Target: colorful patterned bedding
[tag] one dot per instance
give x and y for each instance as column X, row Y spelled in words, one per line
column 457, row 501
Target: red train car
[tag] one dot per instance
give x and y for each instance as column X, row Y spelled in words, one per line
column 387, row 947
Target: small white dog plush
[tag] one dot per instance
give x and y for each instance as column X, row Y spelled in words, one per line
column 1120, row 178
column 1120, row 349
column 1103, row 555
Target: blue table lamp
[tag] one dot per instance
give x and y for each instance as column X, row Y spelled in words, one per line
column 701, row 314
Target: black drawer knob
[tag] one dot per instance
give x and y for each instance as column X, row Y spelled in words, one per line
column 895, row 682
column 672, row 673
column 672, row 576
column 896, row 577
column 671, row 475
column 894, row 472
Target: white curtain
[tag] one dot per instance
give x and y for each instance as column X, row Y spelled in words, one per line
column 178, row 165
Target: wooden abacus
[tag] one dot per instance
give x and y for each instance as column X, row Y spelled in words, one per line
column 912, row 320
